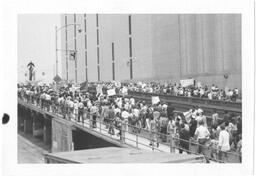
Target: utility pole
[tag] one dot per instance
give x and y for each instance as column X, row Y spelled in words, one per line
column 75, row 48
column 85, row 46
column 113, row 61
column 56, row 43
column 66, row 42
column 98, row 47
column 130, row 45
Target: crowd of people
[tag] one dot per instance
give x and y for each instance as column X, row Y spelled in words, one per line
column 162, row 122
column 176, row 89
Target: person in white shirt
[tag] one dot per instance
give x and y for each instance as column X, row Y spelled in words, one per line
column 195, row 92
column 189, row 93
column 46, row 99
column 94, row 113
column 76, row 110
column 80, row 111
column 230, row 93
column 201, row 92
column 223, row 145
column 210, row 95
column 125, row 116
column 136, row 112
column 71, row 109
column 202, row 134
column 215, row 117
column 132, row 101
column 89, row 104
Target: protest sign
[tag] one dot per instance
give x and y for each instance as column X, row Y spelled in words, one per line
column 155, row 99
column 111, row 92
column 187, row 82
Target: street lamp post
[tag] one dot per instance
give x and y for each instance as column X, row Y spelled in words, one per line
column 56, row 45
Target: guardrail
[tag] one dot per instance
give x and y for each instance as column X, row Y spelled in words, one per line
column 168, row 140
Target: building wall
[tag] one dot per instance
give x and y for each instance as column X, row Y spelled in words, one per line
column 164, row 47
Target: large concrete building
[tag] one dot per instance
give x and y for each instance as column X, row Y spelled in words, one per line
column 170, row 47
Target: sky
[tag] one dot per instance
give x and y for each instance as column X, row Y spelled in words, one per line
column 36, row 43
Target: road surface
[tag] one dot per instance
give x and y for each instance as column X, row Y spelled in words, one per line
column 29, row 150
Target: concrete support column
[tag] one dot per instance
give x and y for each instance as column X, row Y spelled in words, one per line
column 38, row 124
column 47, row 131
column 33, row 123
column 20, row 118
column 61, row 136
column 45, row 134
column 28, row 123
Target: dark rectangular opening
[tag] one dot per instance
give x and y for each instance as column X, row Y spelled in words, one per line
column 84, row 140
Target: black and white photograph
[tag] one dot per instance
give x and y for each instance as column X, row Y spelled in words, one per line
column 151, row 88
column 142, row 87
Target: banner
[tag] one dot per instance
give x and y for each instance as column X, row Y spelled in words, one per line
column 155, row 99
column 187, row 82
column 84, row 86
column 111, row 92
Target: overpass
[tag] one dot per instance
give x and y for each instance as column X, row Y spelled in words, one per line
column 68, row 135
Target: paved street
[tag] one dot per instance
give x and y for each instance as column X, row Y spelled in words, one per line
column 30, row 149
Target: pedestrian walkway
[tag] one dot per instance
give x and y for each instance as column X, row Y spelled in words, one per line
column 134, row 140
column 131, row 139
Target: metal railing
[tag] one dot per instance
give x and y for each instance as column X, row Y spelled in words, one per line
column 154, row 138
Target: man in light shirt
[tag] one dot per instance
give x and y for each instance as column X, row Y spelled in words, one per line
column 136, row 111
column 223, row 145
column 215, row 117
column 71, row 109
column 94, row 112
column 125, row 116
column 202, row 134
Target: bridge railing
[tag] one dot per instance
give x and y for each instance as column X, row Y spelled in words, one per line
column 191, row 100
column 155, row 138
